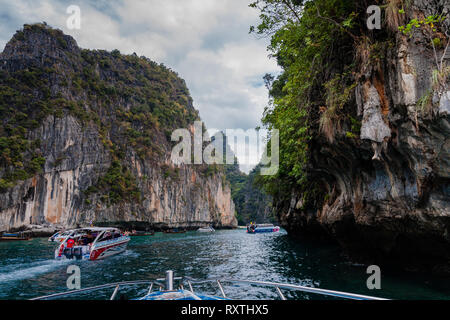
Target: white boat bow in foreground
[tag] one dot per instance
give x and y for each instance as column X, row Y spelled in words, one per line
column 167, row 290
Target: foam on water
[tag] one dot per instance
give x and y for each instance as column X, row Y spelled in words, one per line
column 227, row 253
column 128, row 253
column 23, row 271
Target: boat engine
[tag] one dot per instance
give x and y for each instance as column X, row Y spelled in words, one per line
column 68, row 253
column 77, row 253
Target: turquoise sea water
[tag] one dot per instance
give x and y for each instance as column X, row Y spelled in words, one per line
column 27, row 268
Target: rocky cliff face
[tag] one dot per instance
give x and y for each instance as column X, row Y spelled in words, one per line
column 383, row 191
column 94, row 134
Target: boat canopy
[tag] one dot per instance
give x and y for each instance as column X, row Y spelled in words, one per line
column 98, row 233
column 91, row 229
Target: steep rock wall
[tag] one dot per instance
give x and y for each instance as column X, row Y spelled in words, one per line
column 385, row 196
column 79, row 152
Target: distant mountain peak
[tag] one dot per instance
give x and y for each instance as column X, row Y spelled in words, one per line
column 39, row 39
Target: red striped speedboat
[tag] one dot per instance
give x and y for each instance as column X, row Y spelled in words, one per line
column 91, row 244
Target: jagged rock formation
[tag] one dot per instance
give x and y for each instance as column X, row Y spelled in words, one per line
column 383, row 193
column 94, row 134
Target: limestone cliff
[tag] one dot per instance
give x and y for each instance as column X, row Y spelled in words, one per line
column 85, row 138
column 381, row 187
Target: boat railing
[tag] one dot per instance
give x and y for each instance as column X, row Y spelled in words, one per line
column 115, row 285
column 167, row 284
column 279, row 286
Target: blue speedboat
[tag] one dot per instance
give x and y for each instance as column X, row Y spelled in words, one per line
column 262, row 228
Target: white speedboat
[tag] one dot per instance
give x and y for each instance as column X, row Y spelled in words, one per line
column 91, row 243
column 206, row 229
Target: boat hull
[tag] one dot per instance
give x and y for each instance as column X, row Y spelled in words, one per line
column 104, row 251
column 14, row 239
column 264, row 230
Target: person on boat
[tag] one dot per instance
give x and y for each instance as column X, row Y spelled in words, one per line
column 70, row 243
column 89, row 237
column 83, row 241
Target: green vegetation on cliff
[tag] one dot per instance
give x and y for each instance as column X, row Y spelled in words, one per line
column 116, row 185
column 252, row 204
column 22, row 110
column 313, row 89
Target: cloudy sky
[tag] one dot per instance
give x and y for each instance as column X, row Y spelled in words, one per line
column 205, row 41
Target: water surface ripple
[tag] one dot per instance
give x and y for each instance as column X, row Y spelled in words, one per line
column 27, row 269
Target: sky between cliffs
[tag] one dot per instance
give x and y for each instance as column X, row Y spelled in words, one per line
column 205, row 41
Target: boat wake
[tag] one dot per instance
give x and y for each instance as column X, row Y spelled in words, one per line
column 24, row 271
column 129, row 254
